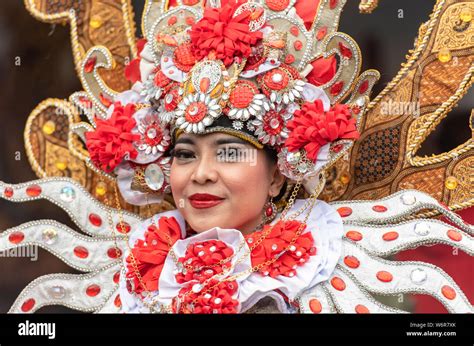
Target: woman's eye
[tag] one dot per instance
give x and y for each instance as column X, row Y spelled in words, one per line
column 231, row 154
column 182, row 154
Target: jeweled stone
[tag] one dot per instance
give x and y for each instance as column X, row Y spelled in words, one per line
column 93, row 290
column 212, row 248
column 292, row 248
column 293, row 158
column 389, row 236
column 384, row 276
column 101, row 189
column 33, row 190
column 123, row 227
column 95, row 219
column 114, row 252
column 361, row 309
column 354, row 235
column 337, row 148
column 57, row 292
column 448, row 292
column 277, row 77
column 351, row 262
column 151, row 133
column 408, row 199
column 81, row 252
column 294, row 30
column 298, row 45
column 16, row 237
column 274, row 247
column 201, row 253
column 302, row 167
column 67, row 194
column 49, row 127
column 418, row 276
column 465, row 15
column 422, row 228
column 118, row 301
column 196, row 288
column 217, row 300
column 454, row 235
column 379, row 208
column 61, row 165
column 28, row 305
column 444, row 55
column 90, row 64
column 344, row 211
column 49, row 236
column 274, row 123
column 95, row 22
column 338, row 283
column 8, row 192
column 298, row 253
column 154, row 177
column 315, row 306
column 116, row 277
column 345, row 178
column 451, row 183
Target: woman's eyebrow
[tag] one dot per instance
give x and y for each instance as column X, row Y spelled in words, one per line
column 229, row 141
column 185, row 140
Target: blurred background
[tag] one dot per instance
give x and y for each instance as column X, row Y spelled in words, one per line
column 47, row 70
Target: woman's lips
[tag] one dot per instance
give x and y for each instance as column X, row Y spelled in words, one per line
column 204, row 200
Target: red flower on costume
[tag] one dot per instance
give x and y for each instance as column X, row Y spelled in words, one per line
column 226, row 37
column 112, row 138
column 132, row 70
column 312, row 127
column 204, row 258
column 150, row 254
column 276, row 242
column 214, row 298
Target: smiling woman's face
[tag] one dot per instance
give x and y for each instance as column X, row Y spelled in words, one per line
column 221, row 180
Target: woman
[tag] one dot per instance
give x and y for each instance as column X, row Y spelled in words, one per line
column 226, row 115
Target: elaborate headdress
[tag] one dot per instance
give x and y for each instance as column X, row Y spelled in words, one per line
column 251, row 69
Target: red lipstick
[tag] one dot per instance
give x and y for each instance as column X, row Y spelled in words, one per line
column 204, row 200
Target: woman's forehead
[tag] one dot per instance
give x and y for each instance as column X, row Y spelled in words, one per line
column 216, row 138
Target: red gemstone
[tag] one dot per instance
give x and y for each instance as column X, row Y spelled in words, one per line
column 344, row 211
column 298, row 45
column 315, row 306
column 33, row 190
column 322, row 33
column 269, row 211
column 204, row 84
column 346, row 52
column 123, row 227
column 454, row 235
column 337, row 148
column 85, row 102
column 117, row 301
column 93, row 290
column 384, row 276
column 364, row 86
column 16, row 237
column 332, row 4
column 389, row 236
column 81, row 252
column 8, row 192
column 290, row 58
column 116, row 277
column 354, row 235
column 28, row 305
column 277, row 5
column 105, row 101
column 89, row 65
column 351, row 262
column 95, row 219
column 448, row 292
column 379, row 208
column 294, row 30
column 114, row 252
column 190, row 20
column 338, row 283
column 172, row 20
column 361, row 309
column 337, row 88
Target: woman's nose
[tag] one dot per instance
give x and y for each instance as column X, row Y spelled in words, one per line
column 205, row 170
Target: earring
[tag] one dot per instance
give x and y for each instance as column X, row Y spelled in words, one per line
column 269, row 211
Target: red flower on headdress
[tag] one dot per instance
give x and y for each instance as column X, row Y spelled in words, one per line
column 112, row 138
column 312, row 127
column 275, row 244
column 150, row 254
column 223, row 35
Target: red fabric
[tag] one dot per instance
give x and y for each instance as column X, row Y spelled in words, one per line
column 307, row 11
column 311, row 127
column 112, row 138
column 458, row 265
column 132, row 70
column 281, row 235
column 223, row 36
column 150, row 254
column 323, row 70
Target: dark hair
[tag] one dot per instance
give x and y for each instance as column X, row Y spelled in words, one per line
column 272, row 159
